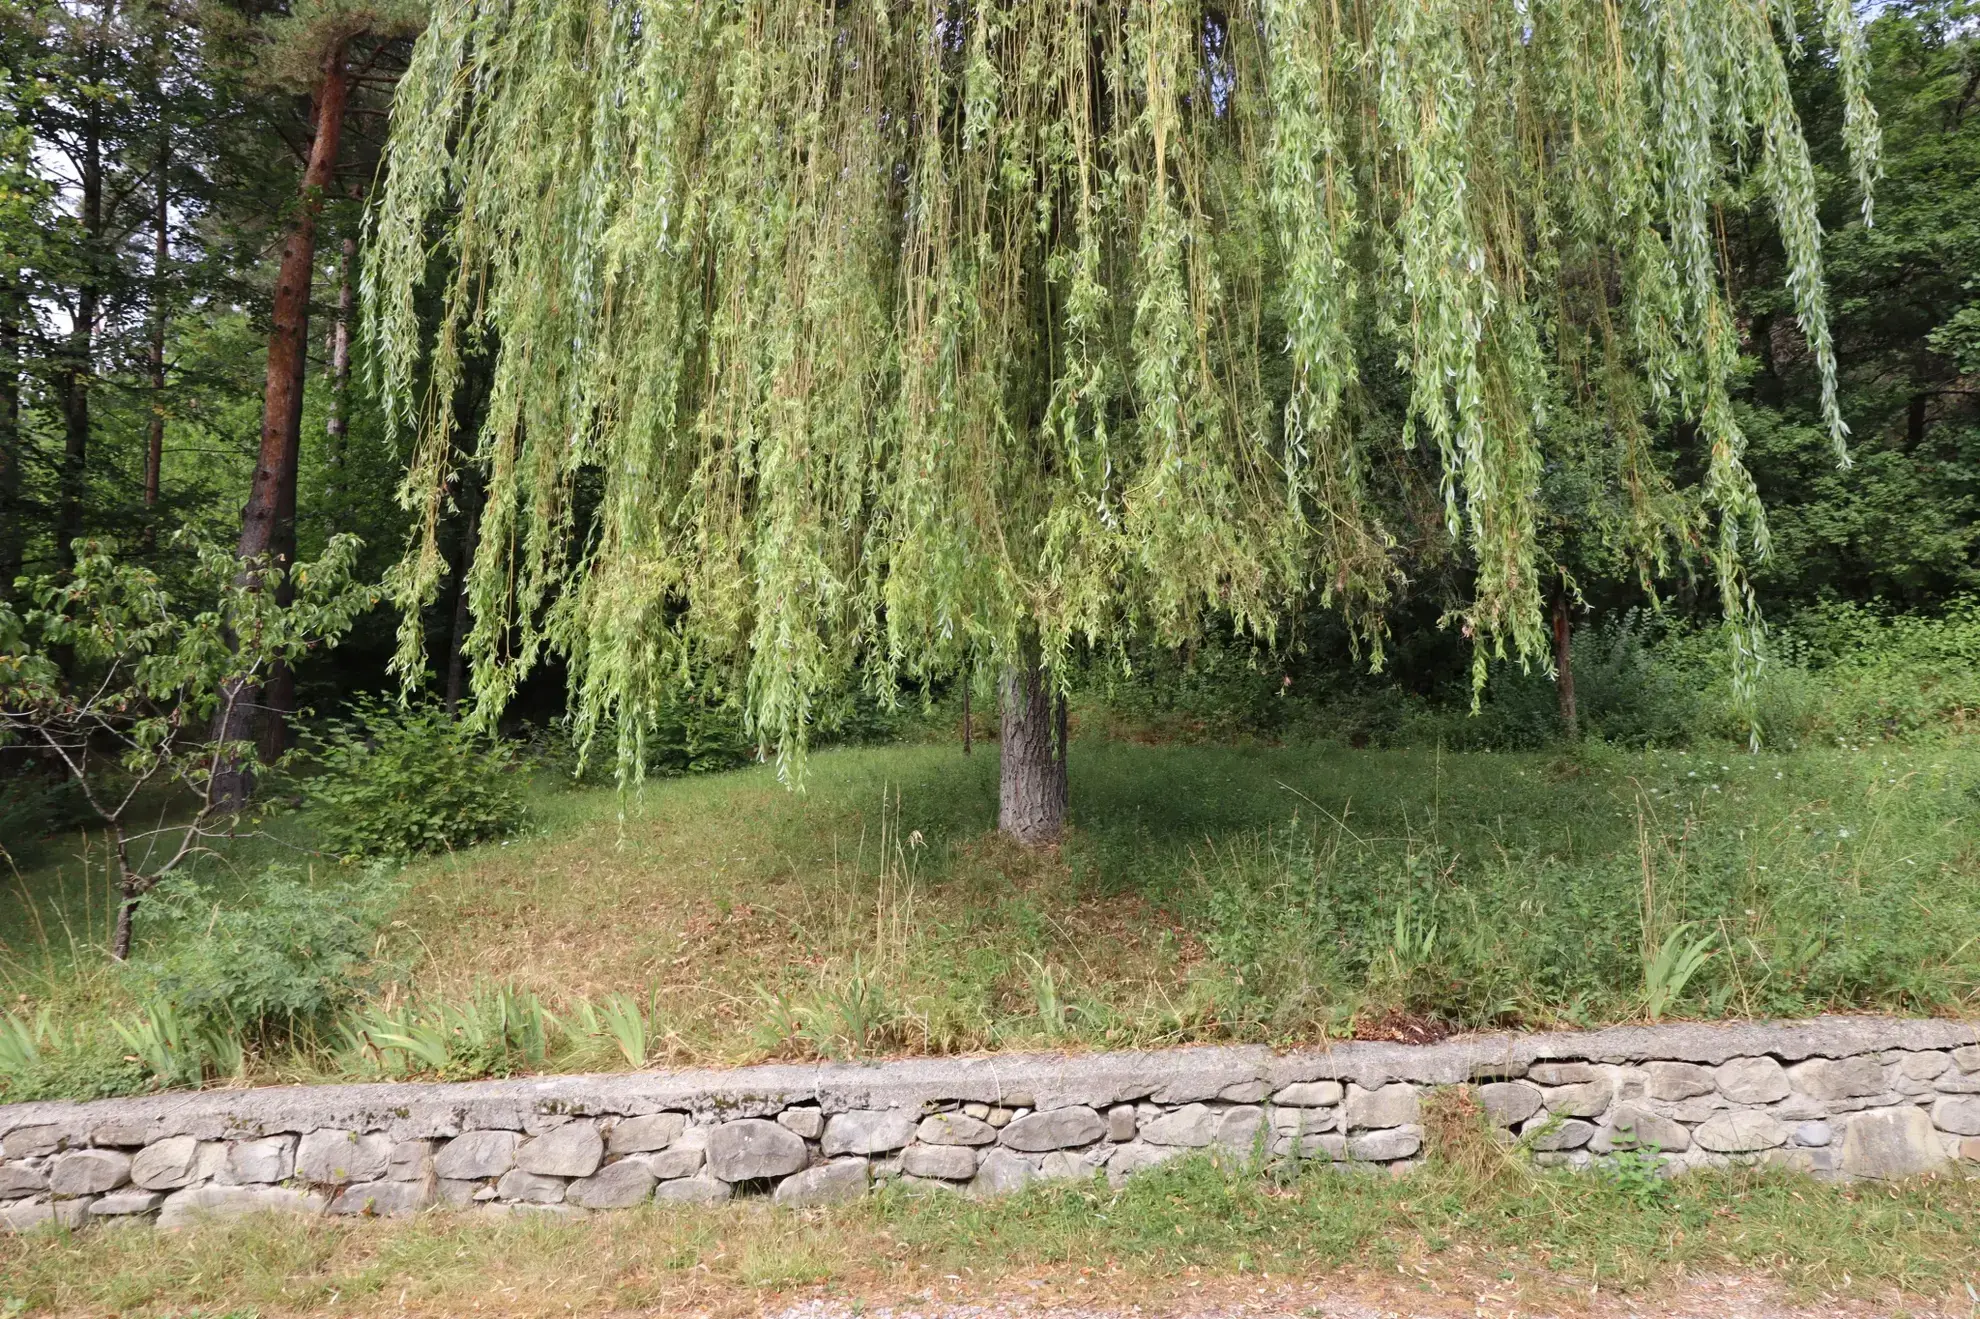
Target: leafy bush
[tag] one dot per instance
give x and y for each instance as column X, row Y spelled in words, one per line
column 287, row 956
column 402, row 782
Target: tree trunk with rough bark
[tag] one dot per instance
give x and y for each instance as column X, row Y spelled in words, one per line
column 337, row 428
column 161, row 256
column 79, row 366
column 1032, row 772
column 1564, row 665
column 463, row 616
column 268, row 521
column 12, row 519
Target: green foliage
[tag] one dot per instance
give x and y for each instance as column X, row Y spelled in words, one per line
column 1671, row 967
column 496, row 1032
column 282, row 957
column 848, row 1015
column 394, row 781
column 181, row 1049
column 40, row 1059
column 1484, row 888
column 997, row 329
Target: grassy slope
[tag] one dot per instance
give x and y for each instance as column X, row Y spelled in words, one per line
column 1208, row 892
column 1212, row 892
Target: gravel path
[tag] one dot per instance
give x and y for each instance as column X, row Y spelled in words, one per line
column 1377, row 1298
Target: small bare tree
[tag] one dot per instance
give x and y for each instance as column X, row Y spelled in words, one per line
column 128, row 717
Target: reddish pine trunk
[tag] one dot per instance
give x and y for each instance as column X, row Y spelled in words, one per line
column 268, row 523
column 1032, row 771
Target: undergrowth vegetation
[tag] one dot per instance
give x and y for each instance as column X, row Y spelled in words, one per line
column 1476, row 1215
column 1270, row 885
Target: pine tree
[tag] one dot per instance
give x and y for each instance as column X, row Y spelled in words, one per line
column 897, row 333
column 318, row 45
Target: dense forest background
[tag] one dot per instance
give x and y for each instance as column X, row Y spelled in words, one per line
column 152, row 162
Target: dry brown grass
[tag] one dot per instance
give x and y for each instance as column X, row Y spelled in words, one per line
column 713, row 892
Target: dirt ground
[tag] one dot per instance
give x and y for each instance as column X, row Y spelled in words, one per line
column 1376, row 1297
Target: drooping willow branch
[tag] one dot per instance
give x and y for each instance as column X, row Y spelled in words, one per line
column 886, row 329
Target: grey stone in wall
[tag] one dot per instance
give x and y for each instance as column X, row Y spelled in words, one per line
column 1385, row 1146
column 88, row 1172
column 1003, row 1171
column 1055, row 1129
column 1678, row 1080
column 748, row 1149
column 1310, row 1094
column 270, row 1159
column 806, row 1122
column 680, row 1161
column 167, row 1165
column 616, row 1186
column 1635, row 1126
column 1831, row 1078
column 388, row 1199
column 119, row 1204
column 476, row 1154
column 867, row 1132
column 572, row 1150
column 828, row 1183
column 1509, row 1103
column 1890, row 1143
column 1752, row 1080
column 1579, row 1099
column 1192, row 1125
column 200, row 1203
column 1740, row 1131
column 411, row 1160
column 650, row 1131
column 334, row 1157
column 1551, row 1134
column 961, row 1129
column 953, row 1163
column 1390, row 1106
column 521, row 1187
column 1958, row 1114
column 698, row 1190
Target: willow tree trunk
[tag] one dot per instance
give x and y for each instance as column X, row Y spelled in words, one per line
column 1031, row 805
column 457, row 660
column 268, row 522
column 1564, row 666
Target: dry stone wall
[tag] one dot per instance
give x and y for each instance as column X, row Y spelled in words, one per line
column 1836, row 1097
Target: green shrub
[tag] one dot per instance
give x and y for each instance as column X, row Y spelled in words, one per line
column 287, row 955
column 402, row 782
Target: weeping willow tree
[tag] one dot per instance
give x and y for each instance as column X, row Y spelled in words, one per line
column 875, row 337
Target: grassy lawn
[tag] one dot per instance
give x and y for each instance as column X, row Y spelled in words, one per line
column 1207, row 892
column 1527, row 1237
